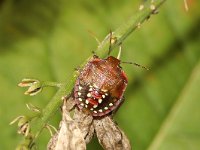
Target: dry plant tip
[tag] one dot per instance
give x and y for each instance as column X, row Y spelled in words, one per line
column 152, row 7
column 186, row 5
column 141, row 7
column 49, row 128
column 16, row 119
column 31, row 107
column 139, row 25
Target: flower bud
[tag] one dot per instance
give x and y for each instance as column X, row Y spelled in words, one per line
column 23, row 125
column 34, row 85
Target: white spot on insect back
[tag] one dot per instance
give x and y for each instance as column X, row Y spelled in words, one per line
column 95, row 86
column 82, row 104
column 79, row 93
column 80, row 99
column 103, row 90
column 99, row 101
column 86, row 101
column 95, row 106
column 106, row 108
column 103, row 96
column 95, row 111
column 111, row 104
column 80, row 88
column 100, row 110
column 89, row 95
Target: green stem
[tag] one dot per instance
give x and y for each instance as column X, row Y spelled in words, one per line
column 55, row 103
column 149, row 8
column 121, row 34
column 53, row 84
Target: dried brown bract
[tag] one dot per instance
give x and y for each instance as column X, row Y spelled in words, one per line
column 110, row 136
column 78, row 128
column 69, row 137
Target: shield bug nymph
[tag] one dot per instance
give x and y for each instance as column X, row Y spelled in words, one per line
column 100, row 86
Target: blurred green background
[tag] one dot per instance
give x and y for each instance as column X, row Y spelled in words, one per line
column 47, row 39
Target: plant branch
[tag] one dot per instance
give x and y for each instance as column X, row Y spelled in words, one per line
column 144, row 12
column 120, row 34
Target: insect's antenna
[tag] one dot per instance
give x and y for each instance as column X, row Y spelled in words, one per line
column 110, row 42
column 133, row 63
column 92, row 34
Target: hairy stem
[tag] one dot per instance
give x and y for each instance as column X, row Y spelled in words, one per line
column 148, row 8
column 144, row 12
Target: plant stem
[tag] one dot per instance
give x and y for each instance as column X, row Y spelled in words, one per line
column 144, row 12
column 56, row 102
column 52, row 84
column 120, row 34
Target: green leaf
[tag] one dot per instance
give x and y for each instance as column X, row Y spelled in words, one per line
column 47, row 39
column 178, row 131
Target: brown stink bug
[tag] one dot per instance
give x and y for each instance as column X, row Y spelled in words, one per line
column 100, row 86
